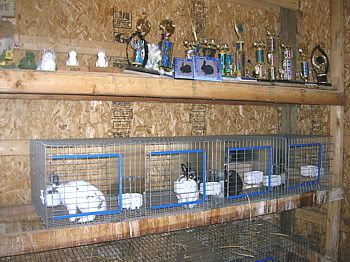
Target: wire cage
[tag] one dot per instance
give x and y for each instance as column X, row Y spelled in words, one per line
column 102, row 180
column 243, row 240
column 309, row 163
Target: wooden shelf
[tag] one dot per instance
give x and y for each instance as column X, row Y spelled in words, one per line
column 40, row 240
column 134, row 87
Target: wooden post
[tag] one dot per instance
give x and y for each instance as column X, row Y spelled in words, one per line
column 336, row 124
column 289, row 113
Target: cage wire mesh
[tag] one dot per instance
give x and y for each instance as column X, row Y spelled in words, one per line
column 241, row 240
column 102, row 180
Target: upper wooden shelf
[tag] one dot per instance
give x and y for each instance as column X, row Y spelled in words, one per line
column 136, row 87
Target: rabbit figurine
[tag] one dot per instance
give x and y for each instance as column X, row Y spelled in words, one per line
column 48, row 61
column 72, row 58
column 101, row 59
column 76, row 196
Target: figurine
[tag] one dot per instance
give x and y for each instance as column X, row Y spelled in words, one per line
column 6, row 59
column 28, row 62
column 48, row 61
column 154, row 57
column 101, row 59
column 72, row 58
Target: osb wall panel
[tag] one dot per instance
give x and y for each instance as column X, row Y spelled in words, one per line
column 243, row 120
column 28, row 119
column 313, row 120
column 92, row 20
column 314, row 24
column 221, row 17
column 158, row 119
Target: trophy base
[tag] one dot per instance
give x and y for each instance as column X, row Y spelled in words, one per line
column 322, row 79
column 143, row 70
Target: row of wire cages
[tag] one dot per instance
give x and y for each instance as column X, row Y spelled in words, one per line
column 254, row 240
column 101, row 180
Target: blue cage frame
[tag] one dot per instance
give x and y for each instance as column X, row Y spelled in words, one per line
column 319, row 164
column 268, row 188
column 204, row 175
column 119, row 158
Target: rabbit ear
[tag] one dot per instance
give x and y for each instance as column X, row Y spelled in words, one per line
column 55, row 180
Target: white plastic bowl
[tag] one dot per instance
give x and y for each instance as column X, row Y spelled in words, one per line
column 211, row 188
column 132, row 200
column 310, row 171
column 253, row 177
column 276, row 180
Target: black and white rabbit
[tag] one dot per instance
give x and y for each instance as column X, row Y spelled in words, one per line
column 76, row 196
column 233, row 183
column 185, row 187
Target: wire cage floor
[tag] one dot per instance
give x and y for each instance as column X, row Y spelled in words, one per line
column 241, row 240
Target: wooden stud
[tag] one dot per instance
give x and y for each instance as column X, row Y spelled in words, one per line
column 289, row 112
column 336, row 124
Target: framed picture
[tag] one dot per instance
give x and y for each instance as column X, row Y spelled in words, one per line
column 183, row 68
column 207, row 68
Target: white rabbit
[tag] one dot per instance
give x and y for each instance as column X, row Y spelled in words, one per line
column 48, row 61
column 76, row 196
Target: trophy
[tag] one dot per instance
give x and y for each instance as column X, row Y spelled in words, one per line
column 260, row 60
column 240, row 59
column 287, row 65
column 222, row 49
column 304, row 66
column 271, row 55
column 166, row 47
column 208, row 48
column 138, row 43
column 320, row 64
column 240, row 53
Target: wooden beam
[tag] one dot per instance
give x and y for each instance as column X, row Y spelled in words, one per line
column 289, row 116
column 20, row 82
column 288, row 4
column 271, row 5
column 336, row 124
column 347, row 59
column 40, row 240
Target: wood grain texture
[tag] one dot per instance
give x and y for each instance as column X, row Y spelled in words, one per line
column 336, row 124
column 127, row 85
column 18, row 243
